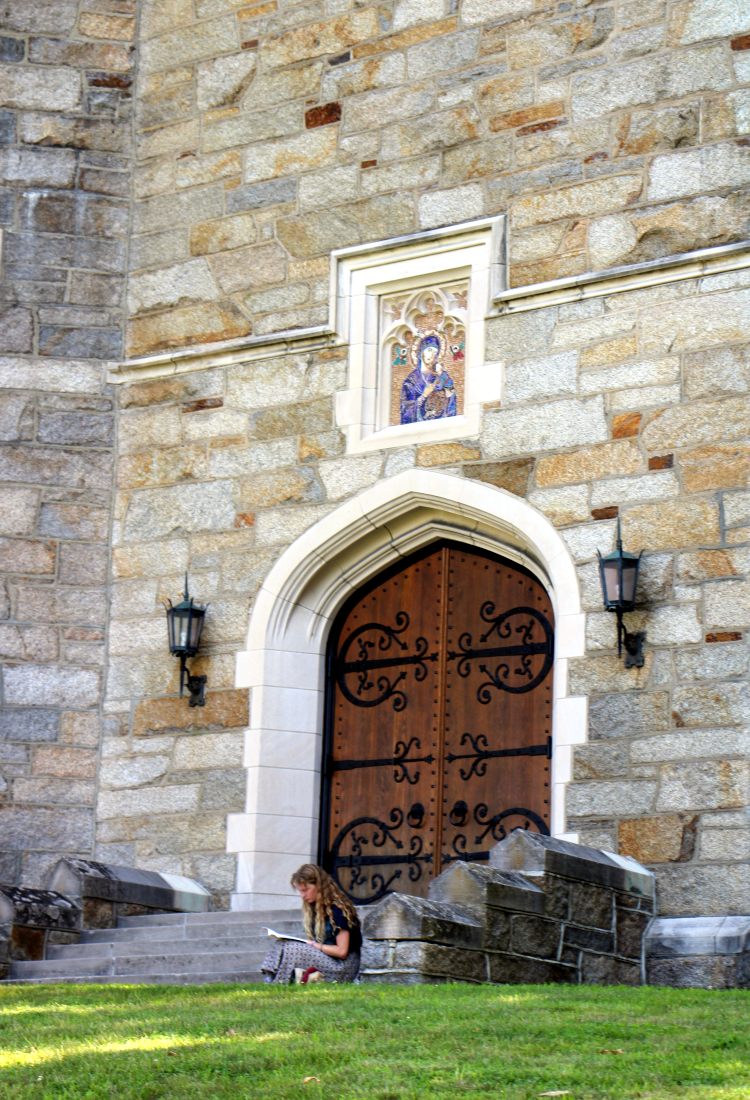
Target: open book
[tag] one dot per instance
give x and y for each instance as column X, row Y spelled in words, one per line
column 283, row 936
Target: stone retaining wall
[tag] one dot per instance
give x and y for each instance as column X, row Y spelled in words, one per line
column 66, row 71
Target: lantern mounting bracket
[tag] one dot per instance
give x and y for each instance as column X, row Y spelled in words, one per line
column 196, row 685
column 633, row 644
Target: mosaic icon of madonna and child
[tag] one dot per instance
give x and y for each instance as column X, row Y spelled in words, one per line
column 428, row 392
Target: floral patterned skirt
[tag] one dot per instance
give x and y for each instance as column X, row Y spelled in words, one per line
column 285, row 955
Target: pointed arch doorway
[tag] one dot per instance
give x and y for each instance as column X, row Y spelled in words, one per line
column 438, row 719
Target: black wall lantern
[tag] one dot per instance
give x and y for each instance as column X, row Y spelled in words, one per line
column 619, row 574
column 184, row 625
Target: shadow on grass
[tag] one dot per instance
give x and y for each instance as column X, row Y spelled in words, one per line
column 371, row 1043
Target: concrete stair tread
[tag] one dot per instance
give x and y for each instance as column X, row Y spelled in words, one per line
column 121, row 964
column 260, row 916
column 108, row 948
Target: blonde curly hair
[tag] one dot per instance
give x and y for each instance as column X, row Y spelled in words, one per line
column 329, row 894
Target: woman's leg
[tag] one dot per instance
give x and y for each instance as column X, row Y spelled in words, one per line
column 294, row 954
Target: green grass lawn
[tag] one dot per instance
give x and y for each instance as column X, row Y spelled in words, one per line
column 65, row 1042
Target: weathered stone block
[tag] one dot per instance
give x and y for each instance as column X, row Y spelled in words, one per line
column 451, row 962
column 711, row 705
column 550, row 426
column 401, row 917
column 604, row 970
column 31, row 685
column 704, row 785
column 156, row 513
column 534, row 936
column 591, row 906
column 223, row 710
column 510, row 970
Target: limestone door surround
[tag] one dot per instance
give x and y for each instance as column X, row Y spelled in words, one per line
column 284, row 659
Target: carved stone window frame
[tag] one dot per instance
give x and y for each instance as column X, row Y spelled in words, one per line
column 362, row 275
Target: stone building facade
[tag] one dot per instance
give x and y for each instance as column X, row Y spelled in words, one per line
column 187, row 187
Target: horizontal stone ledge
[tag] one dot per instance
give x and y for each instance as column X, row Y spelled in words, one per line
column 681, row 937
column 86, row 878
column 527, row 853
column 402, row 917
column 617, row 280
column 467, row 884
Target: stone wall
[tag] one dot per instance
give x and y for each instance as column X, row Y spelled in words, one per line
column 270, row 133
column 65, row 79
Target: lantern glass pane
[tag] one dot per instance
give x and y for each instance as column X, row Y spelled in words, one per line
column 629, row 573
column 611, row 574
column 196, row 626
column 170, row 628
column 182, row 628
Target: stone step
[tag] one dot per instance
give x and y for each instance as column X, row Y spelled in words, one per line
column 262, row 916
column 177, row 963
column 189, row 932
column 246, row 977
column 193, row 945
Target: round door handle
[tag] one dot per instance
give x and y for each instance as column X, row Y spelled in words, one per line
column 459, row 813
column 415, row 816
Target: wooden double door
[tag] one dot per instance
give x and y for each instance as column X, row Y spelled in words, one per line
column 438, row 720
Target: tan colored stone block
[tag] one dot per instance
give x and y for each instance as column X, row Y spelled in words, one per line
column 512, row 476
column 321, row 445
column 557, row 267
column 562, row 506
column 701, row 565
column 581, row 200
column 609, row 351
column 370, row 220
column 250, row 267
column 485, row 158
column 513, row 119
column 651, row 839
column 112, row 26
column 296, row 486
column 161, row 467
column 591, row 463
column 503, row 94
column 626, row 425
column 200, row 324
column 549, row 141
column 696, row 323
column 148, row 428
column 446, row 454
column 59, row 760
column 702, row 422
column 80, row 729
column 674, row 127
column 405, row 38
column 738, row 536
column 283, row 86
column 181, row 387
column 180, row 139
column 330, row 37
column 721, row 466
column 28, row 643
column 670, row 525
column 223, row 234
column 286, row 157
column 430, row 134
column 150, row 560
column 598, row 675
column 223, row 710
column 194, row 42
column 192, row 170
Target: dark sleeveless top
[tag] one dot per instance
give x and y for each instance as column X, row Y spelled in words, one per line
column 340, row 924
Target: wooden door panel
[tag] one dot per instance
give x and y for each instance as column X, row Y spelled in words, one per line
column 385, row 735
column 497, row 704
column 438, row 720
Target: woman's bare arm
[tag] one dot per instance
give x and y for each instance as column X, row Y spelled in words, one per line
column 339, row 950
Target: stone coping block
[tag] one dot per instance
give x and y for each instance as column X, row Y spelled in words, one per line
column 672, row 937
column 401, row 917
column 85, row 878
column 470, row 884
column 533, row 854
column 22, row 907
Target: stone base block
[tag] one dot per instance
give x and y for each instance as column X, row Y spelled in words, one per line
column 699, row 952
column 107, row 891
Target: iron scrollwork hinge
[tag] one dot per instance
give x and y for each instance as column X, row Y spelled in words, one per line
column 481, row 755
column 359, row 863
column 493, row 825
column 398, row 761
column 365, row 664
column 525, row 649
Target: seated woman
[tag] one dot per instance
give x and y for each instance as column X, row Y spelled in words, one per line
column 330, row 921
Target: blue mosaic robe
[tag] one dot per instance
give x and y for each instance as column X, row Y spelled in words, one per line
column 415, row 407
